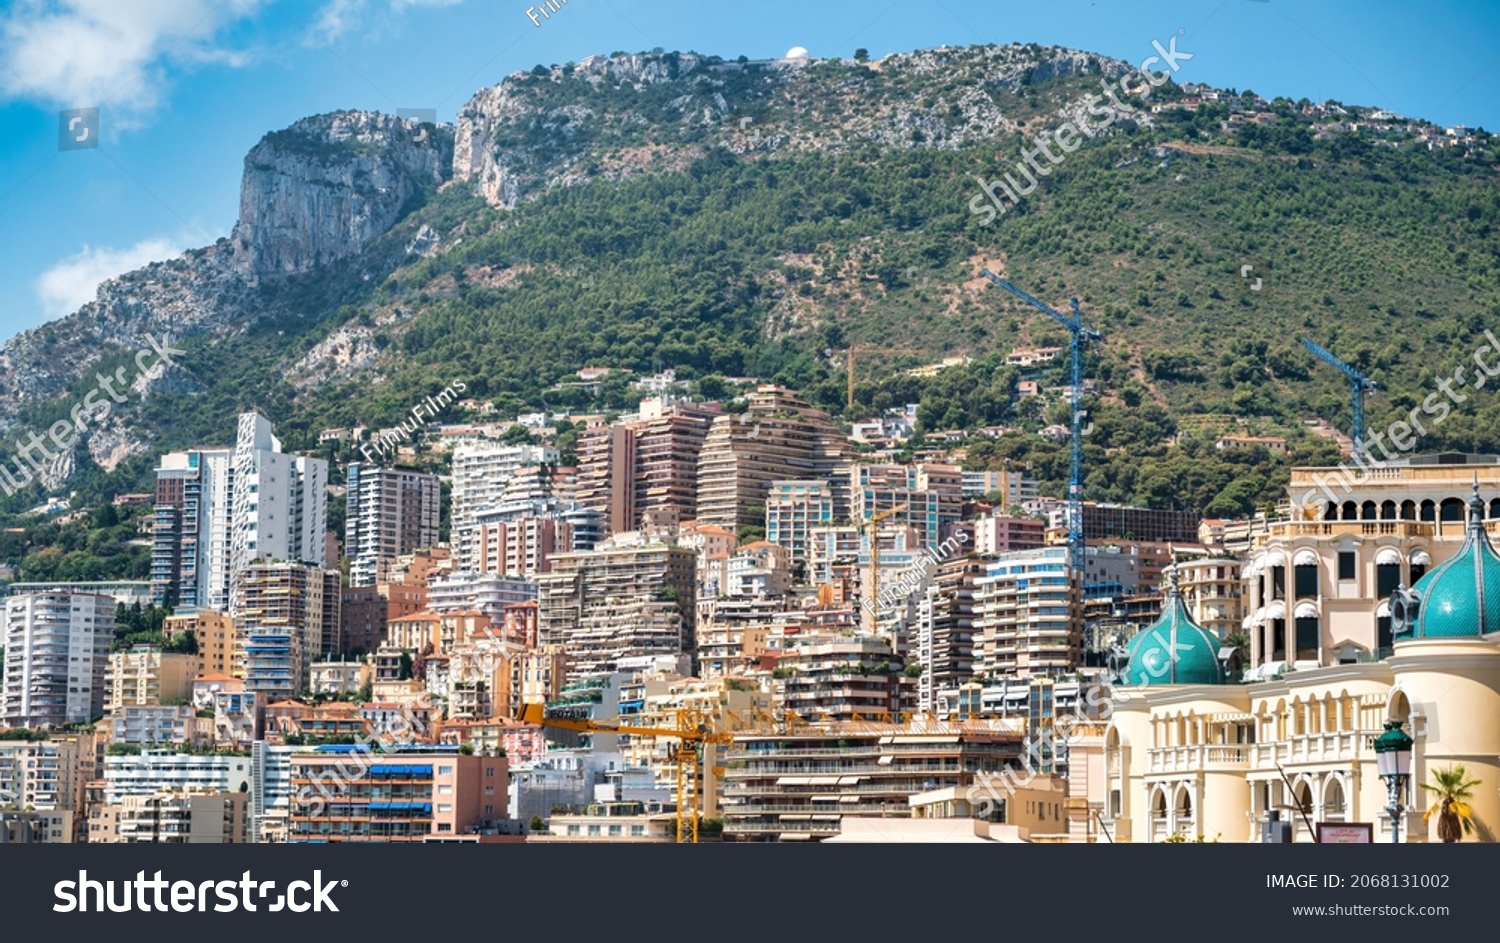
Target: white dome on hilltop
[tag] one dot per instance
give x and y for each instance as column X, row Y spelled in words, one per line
column 796, row 52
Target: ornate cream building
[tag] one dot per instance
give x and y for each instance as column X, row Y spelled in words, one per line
column 1317, row 587
column 1188, row 753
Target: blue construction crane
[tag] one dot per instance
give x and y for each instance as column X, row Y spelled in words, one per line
column 1361, row 385
column 1080, row 335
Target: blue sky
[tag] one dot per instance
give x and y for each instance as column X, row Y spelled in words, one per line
column 186, row 87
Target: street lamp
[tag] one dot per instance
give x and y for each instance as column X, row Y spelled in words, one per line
column 1393, row 760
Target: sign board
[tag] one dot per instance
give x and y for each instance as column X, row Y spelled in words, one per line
column 1345, row 833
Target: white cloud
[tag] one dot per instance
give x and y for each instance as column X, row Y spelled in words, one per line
column 109, row 53
column 340, row 16
column 337, row 18
column 74, row 281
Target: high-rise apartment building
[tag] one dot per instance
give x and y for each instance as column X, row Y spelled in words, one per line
column 606, row 475
column 931, row 494
column 779, row 437
column 219, row 510
column 56, row 652
column 1029, row 616
column 618, row 602
column 481, row 472
column 644, row 471
column 668, row 439
column 945, row 629
column 793, row 509
column 279, row 626
column 390, row 512
column 190, row 537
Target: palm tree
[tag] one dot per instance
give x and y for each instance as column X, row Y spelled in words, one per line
column 1452, row 792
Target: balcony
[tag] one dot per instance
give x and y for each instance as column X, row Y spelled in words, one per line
column 1292, row 529
column 1213, row 758
column 1351, row 746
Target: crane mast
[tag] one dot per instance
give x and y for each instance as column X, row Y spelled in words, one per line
column 1080, row 336
column 1360, row 385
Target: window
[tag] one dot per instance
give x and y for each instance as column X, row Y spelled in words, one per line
column 444, row 827
column 489, row 810
column 1346, row 564
column 489, row 772
column 1307, row 638
column 1307, row 581
column 444, row 808
column 445, row 771
column 1387, row 578
column 445, row 790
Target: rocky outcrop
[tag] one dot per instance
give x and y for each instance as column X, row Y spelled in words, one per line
column 326, row 187
column 503, row 174
column 530, row 132
column 317, row 192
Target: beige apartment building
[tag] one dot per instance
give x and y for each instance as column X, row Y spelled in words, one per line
column 169, row 817
column 612, row 603
column 214, row 632
column 778, row 437
column 148, row 676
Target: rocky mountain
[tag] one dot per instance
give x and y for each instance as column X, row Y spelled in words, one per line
column 323, row 189
column 740, row 217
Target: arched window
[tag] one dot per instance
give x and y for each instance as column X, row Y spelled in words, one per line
column 1388, row 511
column 1408, row 510
column 1367, row 511
column 1305, row 574
column 1350, row 513
column 1387, row 571
column 1335, row 806
column 1453, row 509
column 1429, row 510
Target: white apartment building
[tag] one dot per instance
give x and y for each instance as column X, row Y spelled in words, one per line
column 279, row 508
column 219, row 510
column 482, row 592
column 153, row 771
column 482, row 470
column 144, row 724
column 56, row 653
column 1028, row 616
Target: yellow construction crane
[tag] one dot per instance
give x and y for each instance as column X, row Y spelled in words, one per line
column 872, row 527
column 692, row 732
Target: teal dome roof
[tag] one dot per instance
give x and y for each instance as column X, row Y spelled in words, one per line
column 1174, row 649
column 1461, row 597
